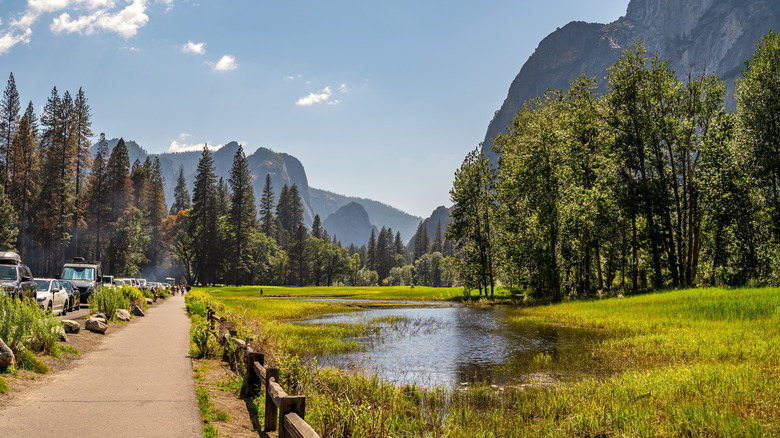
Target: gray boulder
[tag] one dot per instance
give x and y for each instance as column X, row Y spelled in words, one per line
column 71, row 326
column 6, row 355
column 96, row 325
column 149, row 301
column 137, row 311
column 123, row 315
column 60, row 330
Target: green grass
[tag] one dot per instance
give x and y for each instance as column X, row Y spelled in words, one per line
column 3, row 386
column 699, row 362
column 208, row 412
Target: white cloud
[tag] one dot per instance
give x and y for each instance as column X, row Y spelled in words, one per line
column 324, row 96
column 227, row 62
column 291, row 77
column 190, row 47
column 182, row 146
column 10, row 39
column 313, row 98
column 124, row 23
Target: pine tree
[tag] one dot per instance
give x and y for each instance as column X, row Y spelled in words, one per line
column 267, row 207
column 181, row 196
column 81, row 131
column 371, row 251
column 242, row 218
column 23, row 184
column 155, row 210
column 8, row 229
column 98, row 209
column 9, row 121
column 438, row 239
column 421, row 242
column 223, row 197
column 204, row 218
column 119, row 188
column 316, row 228
column 140, row 183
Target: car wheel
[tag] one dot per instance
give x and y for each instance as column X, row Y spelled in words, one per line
column 50, row 308
column 78, row 304
column 64, row 309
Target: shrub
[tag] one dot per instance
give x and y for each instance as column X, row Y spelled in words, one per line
column 26, row 326
column 133, row 296
column 197, row 303
column 108, row 300
column 204, row 343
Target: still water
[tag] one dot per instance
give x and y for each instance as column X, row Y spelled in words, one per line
column 458, row 345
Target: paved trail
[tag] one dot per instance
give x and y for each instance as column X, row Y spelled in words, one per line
column 137, row 384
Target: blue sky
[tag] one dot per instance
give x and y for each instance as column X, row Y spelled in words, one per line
column 377, row 99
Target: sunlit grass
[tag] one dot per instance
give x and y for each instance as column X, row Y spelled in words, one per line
column 700, row 362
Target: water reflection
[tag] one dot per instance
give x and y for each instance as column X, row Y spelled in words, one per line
column 460, row 345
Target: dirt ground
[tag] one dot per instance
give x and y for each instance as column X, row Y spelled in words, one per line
column 223, row 388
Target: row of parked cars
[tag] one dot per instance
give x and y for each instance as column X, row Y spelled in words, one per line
column 65, row 293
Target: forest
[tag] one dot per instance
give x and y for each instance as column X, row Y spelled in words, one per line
column 649, row 183
column 61, row 196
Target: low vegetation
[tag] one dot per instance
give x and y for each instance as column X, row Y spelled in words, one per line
column 28, row 329
column 699, row 362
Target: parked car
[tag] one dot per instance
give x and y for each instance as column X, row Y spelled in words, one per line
column 85, row 275
column 15, row 277
column 51, row 295
column 108, row 280
column 74, row 295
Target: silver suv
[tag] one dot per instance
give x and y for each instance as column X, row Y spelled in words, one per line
column 84, row 275
column 15, row 277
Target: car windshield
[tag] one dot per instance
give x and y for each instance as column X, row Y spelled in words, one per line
column 43, row 285
column 7, row 272
column 78, row 273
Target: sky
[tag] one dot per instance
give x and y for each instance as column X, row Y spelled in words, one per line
column 377, row 99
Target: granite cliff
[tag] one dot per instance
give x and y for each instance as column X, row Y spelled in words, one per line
column 705, row 35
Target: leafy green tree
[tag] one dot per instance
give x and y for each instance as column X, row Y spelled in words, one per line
column 473, row 195
column 758, row 106
column 127, row 247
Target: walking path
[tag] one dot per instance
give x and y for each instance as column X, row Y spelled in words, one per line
column 137, row 384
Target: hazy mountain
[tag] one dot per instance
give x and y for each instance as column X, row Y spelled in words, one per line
column 350, row 224
column 284, row 169
column 716, row 35
column 381, row 215
column 442, row 214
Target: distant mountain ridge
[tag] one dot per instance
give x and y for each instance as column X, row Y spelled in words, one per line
column 284, row 169
column 719, row 35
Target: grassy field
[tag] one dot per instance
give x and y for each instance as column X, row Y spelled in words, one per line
column 699, row 362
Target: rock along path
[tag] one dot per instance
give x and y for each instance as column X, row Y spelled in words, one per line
column 137, row 384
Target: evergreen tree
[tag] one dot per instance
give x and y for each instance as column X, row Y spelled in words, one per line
column 181, row 196
column 300, row 256
column 98, row 209
column 9, row 121
column 223, row 197
column 204, row 219
column 81, row 131
column 267, row 206
column 140, row 183
column 316, row 228
column 422, row 242
column 155, row 209
column 242, row 218
column 8, row 229
column 371, row 251
column 119, row 190
column 23, row 184
column 438, row 239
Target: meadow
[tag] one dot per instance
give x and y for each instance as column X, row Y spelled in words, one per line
column 697, row 362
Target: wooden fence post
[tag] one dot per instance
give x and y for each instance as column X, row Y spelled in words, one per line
column 210, row 317
column 270, row 407
column 291, row 403
column 252, row 380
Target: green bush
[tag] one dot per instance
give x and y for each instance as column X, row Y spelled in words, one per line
column 133, row 295
column 108, row 300
column 197, row 303
column 27, row 326
column 204, row 343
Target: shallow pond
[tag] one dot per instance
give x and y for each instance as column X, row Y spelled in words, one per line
column 459, row 345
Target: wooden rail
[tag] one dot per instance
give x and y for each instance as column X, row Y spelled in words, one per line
column 281, row 409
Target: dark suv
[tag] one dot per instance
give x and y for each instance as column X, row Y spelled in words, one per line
column 15, row 277
column 84, row 275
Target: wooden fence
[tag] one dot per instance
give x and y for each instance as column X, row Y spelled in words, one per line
column 281, row 409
